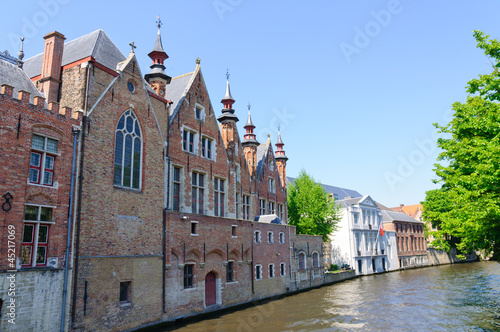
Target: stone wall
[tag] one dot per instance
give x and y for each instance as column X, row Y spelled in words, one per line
column 441, row 257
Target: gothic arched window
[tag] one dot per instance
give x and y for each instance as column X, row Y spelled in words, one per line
column 128, row 152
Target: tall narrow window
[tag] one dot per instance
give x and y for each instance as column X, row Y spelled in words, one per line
column 230, row 272
column 315, row 260
column 188, row 276
column 257, row 237
column 206, row 147
column 246, row 207
column 280, row 211
column 188, row 141
column 176, row 189
column 197, row 192
column 271, row 270
column 302, row 261
column 282, row 237
column 262, row 206
column 125, row 292
column 271, row 185
column 258, row 272
column 237, row 206
column 42, row 161
column 271, row 208
column 128, row 152
column 35, row 239
column 282, row 269
column 219, row 197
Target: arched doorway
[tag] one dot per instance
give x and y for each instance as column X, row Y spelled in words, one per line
column 210, row 289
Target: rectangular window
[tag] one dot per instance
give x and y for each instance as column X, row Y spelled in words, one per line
column 246, row 207
column 258, row 272
column 271, row 208
column 262, row 206
column 282, row 238
column 219, row 197
column 271, row 270
column 206, row 147
column 188, row 276
column 257, row 236
column 233, row 231
column 197, row 192
column 188, row 141
column 272, row 186
column 176, row 200
column 125, row 288
column 35, row 239
column 229, row 272
column 42, row 160
column 280, row 211
column 270, row 237
column 282, row 269
column 194, row 226
column 198, row 112
column 356, row 217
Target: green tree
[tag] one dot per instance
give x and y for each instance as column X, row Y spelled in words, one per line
column 310, row 208
column 467, row 206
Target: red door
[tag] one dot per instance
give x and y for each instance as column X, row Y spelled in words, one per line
column 210, row 289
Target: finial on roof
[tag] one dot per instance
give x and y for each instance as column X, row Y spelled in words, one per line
column 227, row 97
column 133, row 46
column 159, row 22
column 268, row 135
column 227, row 74
column 279, row 141
column 198, row 60
column 249, row 106
column 20, row 54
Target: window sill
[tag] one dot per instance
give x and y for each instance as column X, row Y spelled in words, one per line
column 234, row 282
column 54, row 186
column 133, row 190
column 234, row 236
column 190, row 289
column 195, row 234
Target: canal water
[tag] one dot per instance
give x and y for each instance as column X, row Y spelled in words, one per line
column 459, row 297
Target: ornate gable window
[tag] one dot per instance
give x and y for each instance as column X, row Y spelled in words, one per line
column 128, row 152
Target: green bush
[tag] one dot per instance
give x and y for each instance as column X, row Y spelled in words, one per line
column 333, row 267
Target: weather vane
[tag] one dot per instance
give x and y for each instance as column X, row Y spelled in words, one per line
column 159, row 21
column 249, row 106
column 227, row 74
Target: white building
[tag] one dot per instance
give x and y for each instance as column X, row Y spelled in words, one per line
column 358, row 240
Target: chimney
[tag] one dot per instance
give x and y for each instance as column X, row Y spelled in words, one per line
column 51, row 66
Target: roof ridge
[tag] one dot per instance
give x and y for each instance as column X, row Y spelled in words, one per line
column 183, row 75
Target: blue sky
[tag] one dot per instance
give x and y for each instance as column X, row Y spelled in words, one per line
column 355, row 85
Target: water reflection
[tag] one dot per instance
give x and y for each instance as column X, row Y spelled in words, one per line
column 461, row 297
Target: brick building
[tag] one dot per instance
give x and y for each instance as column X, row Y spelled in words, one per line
column 169, row 197
column 410, row 239
column 37, row 146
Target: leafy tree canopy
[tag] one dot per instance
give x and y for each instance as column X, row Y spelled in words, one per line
column 467, row 206
column 310, row 208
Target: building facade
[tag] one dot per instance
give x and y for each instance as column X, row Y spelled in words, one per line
column 410, row 238
column 37, row 148
column 360, row 241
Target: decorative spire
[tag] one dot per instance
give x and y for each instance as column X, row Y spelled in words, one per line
column 249, row 120
column 249, row 138
column 280, row 153
column 157, row 77
column 228, row 100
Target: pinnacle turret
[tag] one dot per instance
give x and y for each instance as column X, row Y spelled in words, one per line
column 157, row 77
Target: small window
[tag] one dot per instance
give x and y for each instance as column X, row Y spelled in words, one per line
column 302, row 261
column 282, row 238
column 237, row 203
column 271, row 270
column 219, row 197
column 356, row 217
column 188, row 276
column 257, row 236
column 258, row 272
column 230, row 271
column 206, row 147
column 271, row 208
column 42, row 160
column 199, row 111
column 262, row 207
column 315, row 260
column 188, row 141
column 282, row 269
column 246, row 207
column 272, row 186
column 280, row 211
column 176, row 197
column 125, row 292
column 233, row 231
column 194, row 228
column 270, row 237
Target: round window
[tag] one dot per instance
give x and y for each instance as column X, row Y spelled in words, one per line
column 131, row 87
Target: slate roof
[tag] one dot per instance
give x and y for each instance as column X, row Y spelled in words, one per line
column 390, row 216
column 96, row 44
column 341, row 193
column 269, row 219
column 16, row 77
column 261, row 155
column 177, row 89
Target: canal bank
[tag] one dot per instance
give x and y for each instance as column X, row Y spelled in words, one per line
column 454, row 297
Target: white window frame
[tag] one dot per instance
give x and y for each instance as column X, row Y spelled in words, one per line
column 272, row 207
column 257, row 236
column 205, row 149
column 201, row 109
column 258, row 276
column 36, row 230
column 246, row 207
column 271, row 269
column 282, row 269
column 220, row 197
column 271, row 185
column 44, row 153
column 195, row 140
column 262, row 206
column 270, row 237
column 282, row 237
